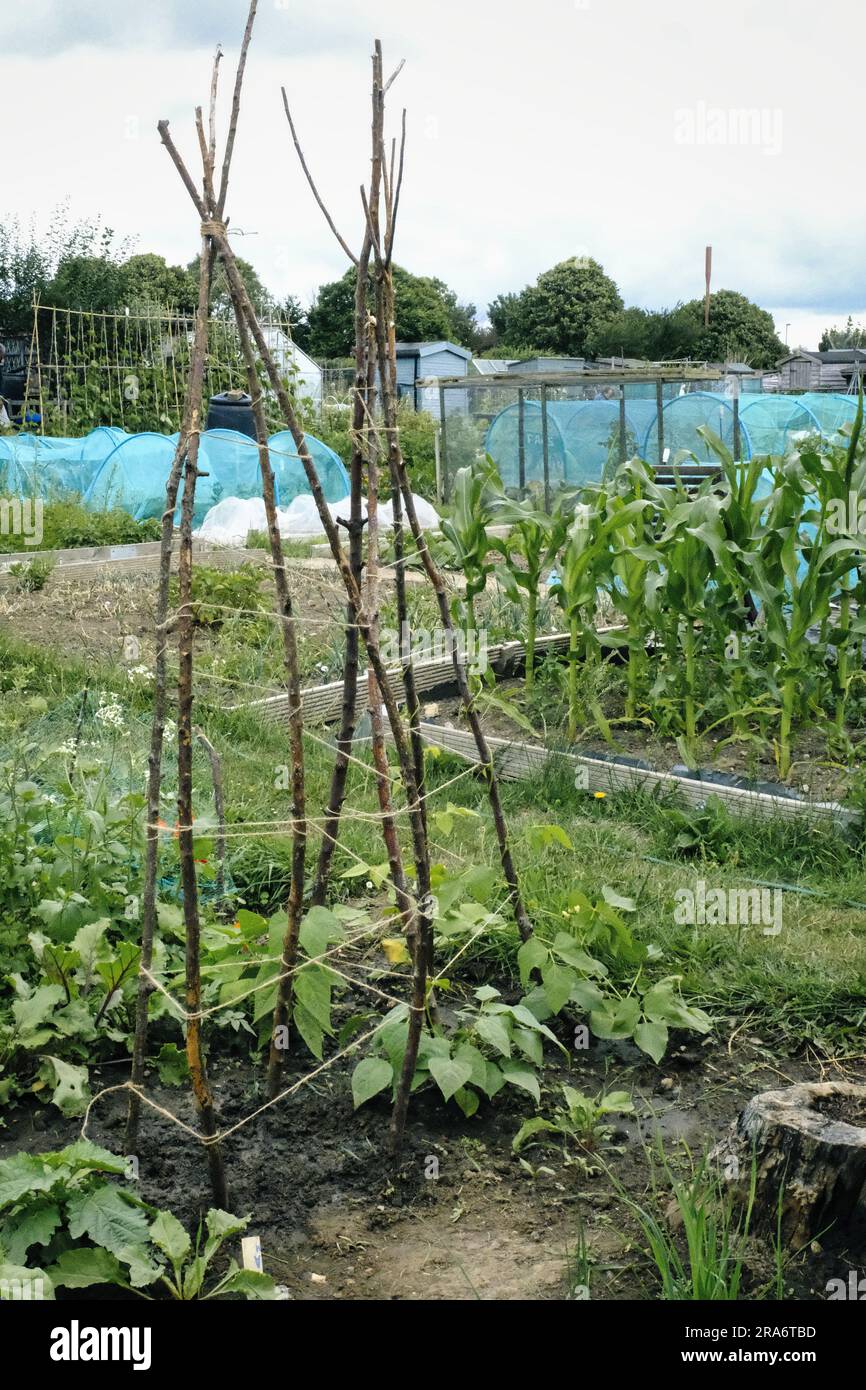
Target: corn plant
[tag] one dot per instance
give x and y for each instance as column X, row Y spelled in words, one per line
column 534, row 540
column 680, row 598
column 796, row 575
column 477, row 495
column 584, row 556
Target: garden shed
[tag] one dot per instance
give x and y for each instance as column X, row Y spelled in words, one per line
column 417, row 361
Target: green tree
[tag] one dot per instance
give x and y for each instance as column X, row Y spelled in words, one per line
column 148, row 280
column 220, row 303
column 566, row 302
column 507, row 318
column 292, row 309
column 426, row 310
column 851, row 336
column 654, row 335
column 738, row 331
column 31, row 258
column 557, row 313
column 87, row 282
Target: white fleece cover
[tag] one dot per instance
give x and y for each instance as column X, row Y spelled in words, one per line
column 232, row 519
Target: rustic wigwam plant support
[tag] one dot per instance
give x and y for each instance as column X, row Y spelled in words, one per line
column 379, row 238
column 375, row 363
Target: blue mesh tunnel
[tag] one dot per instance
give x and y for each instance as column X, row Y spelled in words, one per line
column 289, row 471
column 43, row 466
column 683, row 417
column 830, row 409
column 582, row 438
column 774, row 423
column 134, row 475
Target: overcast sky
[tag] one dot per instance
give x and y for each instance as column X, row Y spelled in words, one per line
column 632, row 131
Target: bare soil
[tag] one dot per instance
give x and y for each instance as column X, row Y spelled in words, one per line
column 456, row 1217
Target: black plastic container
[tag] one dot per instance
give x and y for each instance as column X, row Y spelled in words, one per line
column 231, row 410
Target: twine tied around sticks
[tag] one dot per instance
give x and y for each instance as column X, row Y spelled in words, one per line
column 214, row 228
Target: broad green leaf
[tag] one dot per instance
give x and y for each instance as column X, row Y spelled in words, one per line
column 20, row 1283
column 172, row 1065
column 530, row 1045
column 30, row 1013
column 616, row 1019
column 310, row 1030
column 533, row 955
column 34, row 1224
column 493, row 1030
column 313, row 991
column 468, row 1101
column 449, row 1074
column 586, row 995
column 516, row 1074
column 536, row 1125
column 21, row 1175
column 557, row 981
column 476, row 1060
column 78, row 1269
column 221, row 1225
column 108, row 1218
column 250, row 1283
column 169, row 1236
column 652, row 1038
column 70, row 1090
column 371, row 1075
column 616, row 1103
column 319, row 929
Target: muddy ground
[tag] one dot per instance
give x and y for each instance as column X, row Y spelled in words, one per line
column 456, row 1217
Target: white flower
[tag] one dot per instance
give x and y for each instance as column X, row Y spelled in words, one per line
column 110, row 715
column 169, row 730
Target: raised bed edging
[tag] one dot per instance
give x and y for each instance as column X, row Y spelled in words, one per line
column 515, row 759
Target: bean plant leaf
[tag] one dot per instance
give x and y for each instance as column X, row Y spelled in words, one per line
column 516, row 1074
column 449, row 1074
column 493, row 1030
column 652, row 1038
column 371, row 1075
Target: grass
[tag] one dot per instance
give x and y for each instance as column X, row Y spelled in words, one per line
column 696, row 1234
column 807, row 984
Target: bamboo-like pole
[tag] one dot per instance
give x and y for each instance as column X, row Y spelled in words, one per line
column 382, row 252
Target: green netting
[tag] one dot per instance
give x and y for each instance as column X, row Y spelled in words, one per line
column 774, row 423
column 583, row 437
column 831, row 411
column 685, row 415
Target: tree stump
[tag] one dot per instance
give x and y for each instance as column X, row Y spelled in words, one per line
column 809, row 1143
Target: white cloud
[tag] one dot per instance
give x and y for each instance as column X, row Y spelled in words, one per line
column 533, row 135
